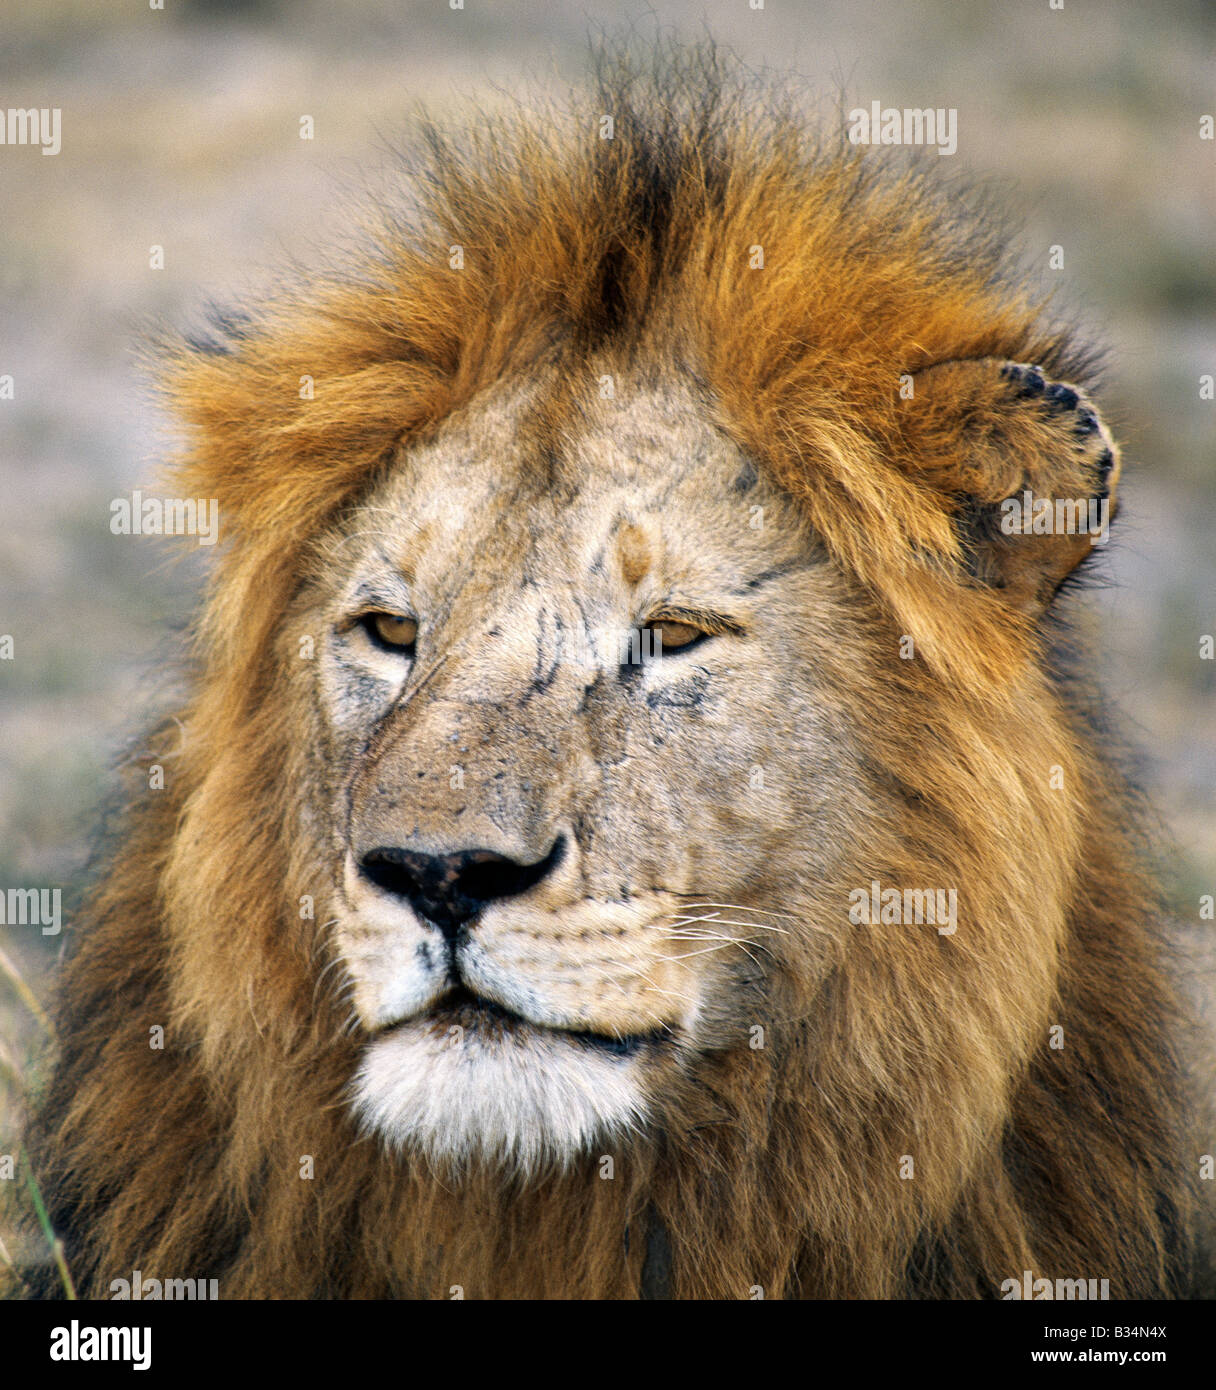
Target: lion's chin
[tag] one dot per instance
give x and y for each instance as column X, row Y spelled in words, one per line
column 470, row 1085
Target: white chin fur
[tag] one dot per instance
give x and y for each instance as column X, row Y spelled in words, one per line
column 527, row 1102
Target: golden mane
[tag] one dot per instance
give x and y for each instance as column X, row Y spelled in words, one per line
column 187, row 1161
column 569, row 239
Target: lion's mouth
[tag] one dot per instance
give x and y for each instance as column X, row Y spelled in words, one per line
column 461, row 1008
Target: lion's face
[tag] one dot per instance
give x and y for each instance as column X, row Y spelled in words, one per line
column 565, row 852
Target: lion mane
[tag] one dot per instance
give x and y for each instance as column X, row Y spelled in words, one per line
column 802, row 283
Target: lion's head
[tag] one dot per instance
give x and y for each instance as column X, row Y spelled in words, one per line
column 626, row 728
column 558, row 699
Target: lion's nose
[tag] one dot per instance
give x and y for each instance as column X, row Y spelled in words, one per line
column 449, row 889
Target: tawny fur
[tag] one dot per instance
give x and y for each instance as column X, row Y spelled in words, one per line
column 780, row 1167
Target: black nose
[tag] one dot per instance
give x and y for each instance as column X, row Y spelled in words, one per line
column 448, row 889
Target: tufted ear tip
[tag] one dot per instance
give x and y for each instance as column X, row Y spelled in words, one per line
column 1030, row 468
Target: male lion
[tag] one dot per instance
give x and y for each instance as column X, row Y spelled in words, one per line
column 638, row 826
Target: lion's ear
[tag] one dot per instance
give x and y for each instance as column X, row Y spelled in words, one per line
column 1027, row 465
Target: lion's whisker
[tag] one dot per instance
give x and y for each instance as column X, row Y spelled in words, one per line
column 336, row 963
column 684, row 923
column 701, row 934
column 673, row 994
column 739, row 907
column 705, row 950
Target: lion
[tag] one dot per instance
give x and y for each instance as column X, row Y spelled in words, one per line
column 640, row 824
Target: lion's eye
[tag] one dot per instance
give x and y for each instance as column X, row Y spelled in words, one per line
column 391, row 630
column 676, row 635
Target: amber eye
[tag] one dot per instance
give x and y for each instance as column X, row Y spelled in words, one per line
column 676, row 635
column 391, row 630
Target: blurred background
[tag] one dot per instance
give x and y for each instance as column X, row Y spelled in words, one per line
column 181, row 129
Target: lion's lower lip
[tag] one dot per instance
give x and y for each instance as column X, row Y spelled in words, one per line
column 463, row 1009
